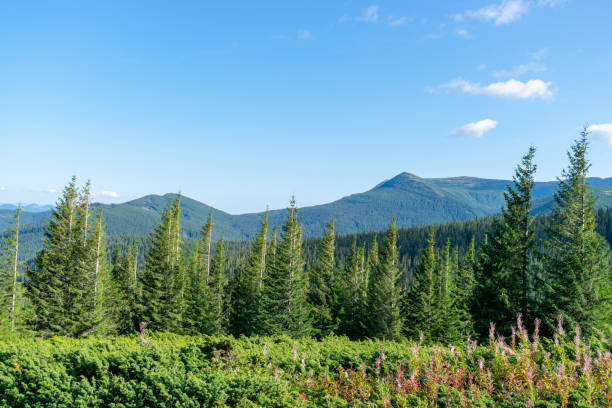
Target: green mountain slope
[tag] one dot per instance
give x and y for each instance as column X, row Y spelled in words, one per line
column 414, row 200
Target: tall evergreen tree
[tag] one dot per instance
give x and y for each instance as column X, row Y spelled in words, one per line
column 216, row 316
column 465, row 287
column 511, row 248
column 350, row 290
column 320, row 295
column 11, row 278
column 61, row 285
column 247, row 285
column 576, row 257
column 104, row 294
column 420, row 304
column 195, row 307
column 284, row 307
column 447, row 327
column 384, row 320
column 159, row 301
column 206, row 246
column 125, row 280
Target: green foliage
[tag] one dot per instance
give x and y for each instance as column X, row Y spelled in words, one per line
column 577, row 258
column 216, row 318
column 246, row 287
column 65, row 285
column 321, row 290
column 13, row 305
column 508, row 287
column 171, row 370
column 126, row 288
column 161, row 283
column 351, row 299
column 384, row 292
column 284, row 307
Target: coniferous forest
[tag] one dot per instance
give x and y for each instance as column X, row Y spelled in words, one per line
column 514, row 310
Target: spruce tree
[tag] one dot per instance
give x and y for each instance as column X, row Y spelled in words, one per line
column 576, row 257
column 159, row 301
column 125, row 282
column 384, row 320
column 216, row 310
column 346, row 289
column 62, row 283
column 320, row 295
column 447, row 326
column 206, row 246
column 104, row 294
column 484, row 290
column 512, row 243
column 465, row 287
column 284, row 307
column 247, row 285
column 420, row 305
column 194, row 312
column 11, row 277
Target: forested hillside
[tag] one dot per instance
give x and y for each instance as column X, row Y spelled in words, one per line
column 412, row 200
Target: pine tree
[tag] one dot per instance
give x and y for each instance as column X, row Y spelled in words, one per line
column 284, row 307
column 104, row 294
column 465, row 287
column 484, row 290
column 194, row 312
column 576, row 257
column 320, row 295
column 511, row 248
column 216, row 311
column 447, row 325
column 347, row 289
column 11, row 278
column 384, row 319
column 420, row 310
column 62, row 285
column 125, row 282
column 159, row 301
column 206, row 246
column 246, row 286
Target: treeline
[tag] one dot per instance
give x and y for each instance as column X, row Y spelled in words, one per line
column 551, row 268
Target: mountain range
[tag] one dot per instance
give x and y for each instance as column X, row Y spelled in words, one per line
column 412, row 199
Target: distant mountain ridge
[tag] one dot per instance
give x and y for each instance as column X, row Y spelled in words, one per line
column 27, row 207
column 412, row 199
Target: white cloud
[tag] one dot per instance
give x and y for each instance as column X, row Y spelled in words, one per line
column 482, row 67
column 279, row 37
column 520, row 70
column 512, row 88
column 107, row 193
column 505, row 12
column 397, row 21
column 475, row 129
column 602, row 131
column 3, row 188
column 304, row 34
column 370, row 14
column 51, row 191
column 463, row 33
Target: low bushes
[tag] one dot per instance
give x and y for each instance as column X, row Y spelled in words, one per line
column 182, row 371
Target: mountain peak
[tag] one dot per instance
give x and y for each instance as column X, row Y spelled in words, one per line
column 408, row 175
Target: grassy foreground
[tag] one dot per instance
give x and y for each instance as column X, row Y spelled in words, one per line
column 182, row 371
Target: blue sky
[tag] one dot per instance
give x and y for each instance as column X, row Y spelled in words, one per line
column 242, row 104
